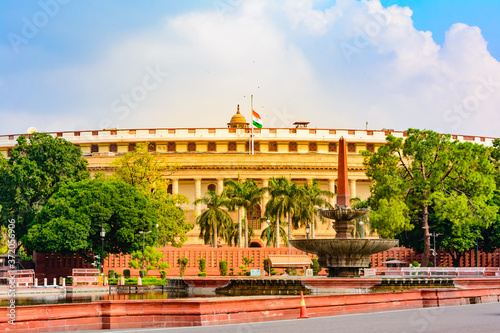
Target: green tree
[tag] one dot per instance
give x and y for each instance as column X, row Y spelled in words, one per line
column 152, row 259
column 285, row 201
column 244, row 194
column 427, row 170
column 313, row 199
column 183, row 262
column 216, row 220
column 37, row 168
column 270, row 232
column 146, row 172
column 72, row 219
column 231, row 235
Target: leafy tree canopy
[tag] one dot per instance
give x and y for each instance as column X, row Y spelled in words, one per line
column 71, row 221
column 37, row 167
column 152, row 259
column 427, row 170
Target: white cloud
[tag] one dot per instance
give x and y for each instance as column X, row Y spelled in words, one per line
column 351, row 63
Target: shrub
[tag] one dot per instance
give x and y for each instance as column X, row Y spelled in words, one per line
column 247, row 261
column 223, row 267
column 315, row 266
column 163, row 274
column 118, row 275
column 183, row 262
column 231, row 271
column 126, row 273
column 111, row 274
column 143, row 274
column 112, row 281
column 202, row 274
column 202, row 264
column 415, row 264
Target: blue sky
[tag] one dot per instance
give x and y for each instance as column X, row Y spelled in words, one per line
column 75, row 65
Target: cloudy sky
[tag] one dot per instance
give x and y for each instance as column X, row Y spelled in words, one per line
column 80, row 65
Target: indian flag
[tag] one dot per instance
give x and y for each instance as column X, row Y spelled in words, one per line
column 257, row 121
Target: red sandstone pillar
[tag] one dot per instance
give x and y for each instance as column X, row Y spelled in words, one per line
column 342, row 182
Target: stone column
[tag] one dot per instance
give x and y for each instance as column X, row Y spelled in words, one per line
column 265, row 197
column 175, row 186
column 197, row 195
column 352, row 187
column 343, row 194
column 220, row 185
column 331, row 188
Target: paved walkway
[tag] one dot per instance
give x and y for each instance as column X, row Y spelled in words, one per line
column 454, row 319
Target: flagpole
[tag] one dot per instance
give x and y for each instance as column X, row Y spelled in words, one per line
column 251, row 123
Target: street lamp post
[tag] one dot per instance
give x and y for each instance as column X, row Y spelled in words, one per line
column 101, row 261
column 434, row 235
column 308, row 230
column 143, row 244
column 157, row 225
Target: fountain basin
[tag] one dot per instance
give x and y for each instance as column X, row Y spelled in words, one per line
column 344, row 257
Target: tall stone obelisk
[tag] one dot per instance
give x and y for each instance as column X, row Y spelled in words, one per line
column 343, row 196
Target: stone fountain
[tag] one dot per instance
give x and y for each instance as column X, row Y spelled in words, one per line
column 343, row 255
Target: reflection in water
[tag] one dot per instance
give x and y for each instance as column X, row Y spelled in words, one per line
column 71, row 298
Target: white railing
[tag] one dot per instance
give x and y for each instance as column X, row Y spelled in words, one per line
column 433, row 271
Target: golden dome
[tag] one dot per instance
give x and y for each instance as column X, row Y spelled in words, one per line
column 238, row 120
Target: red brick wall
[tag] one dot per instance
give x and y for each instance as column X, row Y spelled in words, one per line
column 52, row 265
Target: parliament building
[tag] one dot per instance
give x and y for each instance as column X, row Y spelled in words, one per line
column 206, row 157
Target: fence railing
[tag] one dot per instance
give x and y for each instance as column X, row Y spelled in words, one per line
column 432, row 271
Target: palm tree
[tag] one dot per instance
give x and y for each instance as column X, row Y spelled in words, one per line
column 285, row 199
column 232, row 235
column 216, row 220
column 269, row 234
column 244, row 194
column 314, row 199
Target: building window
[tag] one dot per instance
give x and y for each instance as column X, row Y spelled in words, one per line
column 94, row 149
column 292, row 146
column 312, row 131
column 211, row 187
column 152, row 131
column 292, row 131
column 113, row 132
column 152, row 146
column 169, row 189
column 132, row 132
column 11, row 137
column 313, row 146
column 272, row 130
column 131, row 146
column 59, row 134
column 77, row 134
column 231, row 146
column 113, row 148
column 171, row 131
column 171, row 146
column 9, row 151
column 192, row 130
column 95, row 132
column 273, row 146
column 370, row 147
column 351, row 147
column 254, row 214
column 351, row 132
column 192, row 146
column 211, row 130
column 256, row 146
column 332, row 147
column 212, row 146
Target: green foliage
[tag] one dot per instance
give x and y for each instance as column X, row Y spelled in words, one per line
column 152, row 259
column 215, row 221
column 202, row 274
column 143, row 274
column 146, row 172
column 36, row 169
column 163, row 274
column 243, row 271
column 244, row 194
column 270, row 232
column 231, row 271
column 291, row 271
column 183, row 262
column 151, row 281
column 415, row 264
column 71, row 220
column 427, row 178
column 126, row 273
column 223, row 265
column 247, row 261
column 111, row 274
column 315, row 266
column 202, row 264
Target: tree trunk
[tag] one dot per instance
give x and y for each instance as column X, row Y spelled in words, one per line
column 289, row 215
column 215, row 236
column 277, row 236
column 240, row 244
column 312, row 227
column 456, row 258
column 427, row 237
column 246, row 227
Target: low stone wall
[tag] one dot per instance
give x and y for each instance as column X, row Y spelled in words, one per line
column 226, row 310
